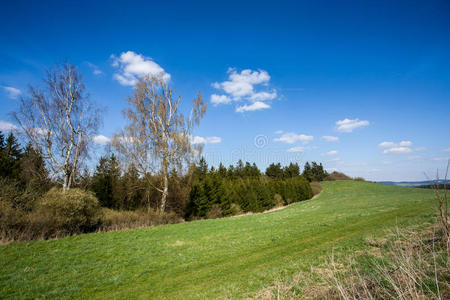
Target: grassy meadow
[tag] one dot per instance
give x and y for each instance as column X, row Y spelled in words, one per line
column 223, row 258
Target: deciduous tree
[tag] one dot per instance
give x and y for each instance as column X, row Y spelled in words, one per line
column 60, row 120
column 157, row 137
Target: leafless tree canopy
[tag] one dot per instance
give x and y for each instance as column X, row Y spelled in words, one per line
column 157, row 137
column 60, row 120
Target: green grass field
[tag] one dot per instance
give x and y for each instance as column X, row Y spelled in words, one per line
column 222, row 258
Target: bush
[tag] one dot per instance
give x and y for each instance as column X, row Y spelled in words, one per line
column 66, row 213
column 316, row 187
column 278, row 200
column 13, row 222
column 125, row 219
column 359, row 179
column 214, row 212
column 337, row 176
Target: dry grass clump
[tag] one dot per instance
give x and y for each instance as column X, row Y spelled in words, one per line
column 413, row 266
column 316, row 187
column 337, row 176
column 408, row 265
column 113, row 220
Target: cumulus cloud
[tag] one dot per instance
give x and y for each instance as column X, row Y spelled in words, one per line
column 133, row 66
column 330, row 138
column 6, row 126
column 199, row 140
column 291, row 138
column 252, row 107
column 220, row 99
column 330, row 153
column 392, row 144
column 101, row 140
column 348, row 125
column 296, row 149
column 446, row 150
column 12, row 92
column 398, row 150
column 241, row 87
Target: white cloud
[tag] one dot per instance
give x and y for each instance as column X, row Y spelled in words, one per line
column 252, row 107
column 263, row 96
column 386, row 162
column 446, row 150
column 95, row 69
column 198, row 140
column 330, row 153
column 291, row 137
column 241, row 87
column 405, row 144
column 386, row 144
column 6, row 126
column 330, row 138
column 401, row 148
column 398, row 150
column 279, row 132
column 101, row 140
column 13, row 93
column 348, row 125
column 132, row 66
column 296, row 149
column 220, row 99
column 213, row 140
column 392, row 144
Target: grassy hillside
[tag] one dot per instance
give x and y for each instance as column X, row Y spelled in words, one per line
column 232, row 257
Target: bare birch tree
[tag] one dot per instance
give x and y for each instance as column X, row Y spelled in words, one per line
column 158, row 136
column 60, row 120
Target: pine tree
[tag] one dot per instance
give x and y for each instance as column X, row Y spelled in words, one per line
column 11, row 155
column 274, row 171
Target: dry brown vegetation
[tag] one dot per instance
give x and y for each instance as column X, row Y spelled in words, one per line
column 409, row 264
column 316, row 187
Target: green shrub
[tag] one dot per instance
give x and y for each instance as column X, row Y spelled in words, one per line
column 70, row 212
column 359, row 179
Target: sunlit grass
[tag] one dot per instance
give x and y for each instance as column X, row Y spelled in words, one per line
column 231, row 257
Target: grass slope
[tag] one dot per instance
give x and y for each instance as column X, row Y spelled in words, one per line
column 231, row 257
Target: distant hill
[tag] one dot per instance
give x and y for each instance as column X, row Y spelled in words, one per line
column 412, row 183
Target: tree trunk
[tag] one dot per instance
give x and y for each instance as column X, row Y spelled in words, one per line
column 165, row 192
column 66, row 183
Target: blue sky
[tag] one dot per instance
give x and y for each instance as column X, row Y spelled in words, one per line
column 374, row 76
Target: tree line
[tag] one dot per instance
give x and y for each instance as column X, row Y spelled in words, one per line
column 151, row 165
